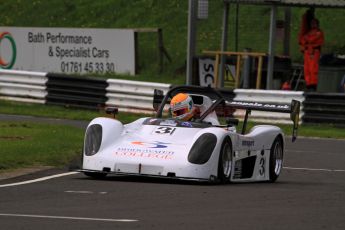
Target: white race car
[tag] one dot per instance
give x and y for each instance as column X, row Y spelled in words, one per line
column 203, row 150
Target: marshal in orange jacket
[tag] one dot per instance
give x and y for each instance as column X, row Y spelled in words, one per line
column 311, row 43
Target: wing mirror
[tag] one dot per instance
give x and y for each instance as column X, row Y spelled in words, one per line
column 112, row 110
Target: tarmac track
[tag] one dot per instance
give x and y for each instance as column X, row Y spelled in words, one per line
column 309, row 194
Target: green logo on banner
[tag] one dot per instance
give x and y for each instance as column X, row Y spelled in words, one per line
column 3, row 63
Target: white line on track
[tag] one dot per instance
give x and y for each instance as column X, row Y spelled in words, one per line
column 38, row 180
column 67, row 217
column 80, row 192
column 85, row 192
column 311, row 169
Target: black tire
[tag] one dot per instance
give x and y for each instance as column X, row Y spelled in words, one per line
column 225, row 161
column 276, row 158
column 96, row 175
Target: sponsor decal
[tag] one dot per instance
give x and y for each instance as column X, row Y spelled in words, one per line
column 168, row 123
column 8, row 62
column 155, row 144
column 144, row 153
column 248, row 143
column 256, row 104
column 187, row 124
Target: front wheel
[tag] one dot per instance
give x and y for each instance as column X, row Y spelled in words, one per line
column 225, row 161
column 276, row 158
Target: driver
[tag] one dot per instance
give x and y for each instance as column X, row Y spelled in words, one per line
column 182, row 107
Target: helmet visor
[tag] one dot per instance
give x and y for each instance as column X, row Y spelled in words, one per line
column 180, row 112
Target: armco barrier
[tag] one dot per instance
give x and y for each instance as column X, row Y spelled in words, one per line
column 324, row 108
column 133, row 96
column 136, row 96
column 73, row 91
column 269, row 96
column 23, row 86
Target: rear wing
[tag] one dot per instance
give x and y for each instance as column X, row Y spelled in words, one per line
column 293, row 109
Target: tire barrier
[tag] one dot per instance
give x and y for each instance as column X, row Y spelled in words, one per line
column 324, row 108
column 73, row 91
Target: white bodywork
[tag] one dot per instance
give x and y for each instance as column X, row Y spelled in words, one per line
column 162, row 150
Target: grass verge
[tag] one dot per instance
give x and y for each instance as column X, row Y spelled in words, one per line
column 39, row 110
column 25, row 144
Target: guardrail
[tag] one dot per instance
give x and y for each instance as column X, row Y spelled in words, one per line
column 133, row 96
column 137, row 96
column 23, row 86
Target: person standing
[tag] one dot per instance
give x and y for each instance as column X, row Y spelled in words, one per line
column 305, row 26
column 311, row 43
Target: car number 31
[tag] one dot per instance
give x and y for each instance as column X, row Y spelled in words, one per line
column 164, row 130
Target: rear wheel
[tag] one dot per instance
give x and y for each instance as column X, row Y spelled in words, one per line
column 276, row 158
column 225, row 161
